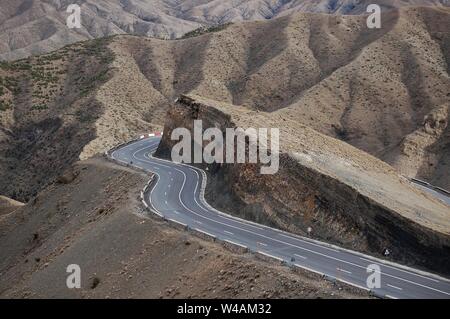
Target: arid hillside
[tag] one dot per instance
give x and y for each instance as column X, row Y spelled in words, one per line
column 124, row 253
column 51, row 109
column 384, row 91
column 30, row 27
column 8, row 205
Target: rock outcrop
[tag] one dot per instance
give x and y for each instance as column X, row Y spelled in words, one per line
column 342, row 194
column 8, row 205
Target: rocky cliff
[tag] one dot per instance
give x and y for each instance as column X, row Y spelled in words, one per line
column 344, row 195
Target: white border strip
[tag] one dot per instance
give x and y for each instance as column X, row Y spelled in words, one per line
column 156, row 212
column 234, row 243
column 352, row 284
column 310, row 269
column 205, row 233
column 334, row 278
column 270, row 256
column 177, row 222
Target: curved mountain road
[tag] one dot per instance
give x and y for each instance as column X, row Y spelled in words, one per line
column 178, row 195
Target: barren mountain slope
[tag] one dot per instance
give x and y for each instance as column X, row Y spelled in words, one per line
column 370, row 88
column 384, row 91
column 97, row 222
column 38, row 26
column 51, row 108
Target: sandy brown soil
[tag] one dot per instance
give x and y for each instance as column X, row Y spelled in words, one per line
column 92, row 217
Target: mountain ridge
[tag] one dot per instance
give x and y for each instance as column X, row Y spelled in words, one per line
column 386, row 95
column 30, row 27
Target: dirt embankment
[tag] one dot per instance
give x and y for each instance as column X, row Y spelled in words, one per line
column 345, row 195
column 8, row 205
column 92, row 217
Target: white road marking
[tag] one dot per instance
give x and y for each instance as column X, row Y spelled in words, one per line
column 220, row 214
column 405, row 271
column 234, row 243
column 262, row 244
column 390, row 297
column 269, row 255
column 177, row 222
column 200, row 223
column 157, row 213
column 300, row 256
column 343, row 270
column 352, row 284
column 395, row 287
column 304, row 241
column 204, row 232
column 228, row 232
column 309, row 269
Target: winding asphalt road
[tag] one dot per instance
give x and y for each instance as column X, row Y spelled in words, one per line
column 429, row 189
column 178, row 195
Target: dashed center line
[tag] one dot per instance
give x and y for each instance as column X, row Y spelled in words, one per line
column 343, row 270
column 395, row 287
column 300, row 256
column 308, row 242
column 228, row 232
column 262, row 244
column 399, row 269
